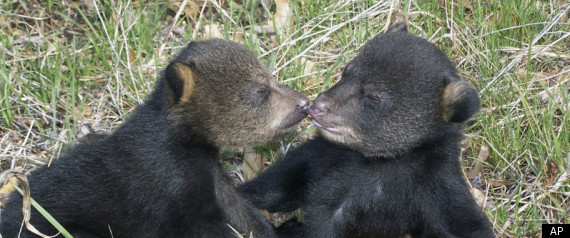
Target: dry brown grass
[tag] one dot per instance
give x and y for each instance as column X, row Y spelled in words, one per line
column 72, row 69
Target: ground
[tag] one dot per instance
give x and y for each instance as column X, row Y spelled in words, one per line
column 71, row 68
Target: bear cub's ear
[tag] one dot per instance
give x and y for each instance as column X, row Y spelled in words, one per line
column 460, row 101
column 398, row 26
column 181, row 81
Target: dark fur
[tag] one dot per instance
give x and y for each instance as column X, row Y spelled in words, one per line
column 158, row 174
column 386, row 161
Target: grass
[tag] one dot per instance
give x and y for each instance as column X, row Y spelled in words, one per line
column 68, row 64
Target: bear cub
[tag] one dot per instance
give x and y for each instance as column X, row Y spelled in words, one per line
column 158, row 175
column 385, row 162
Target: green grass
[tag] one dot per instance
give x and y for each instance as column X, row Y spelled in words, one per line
column 66, row 65
column 44, row 213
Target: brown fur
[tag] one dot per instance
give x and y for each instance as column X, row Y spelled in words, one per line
column 187, row 77
column 457, row 97
column 158, row 174
column 385, row 163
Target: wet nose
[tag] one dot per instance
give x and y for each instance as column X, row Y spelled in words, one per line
column 319, row 106
column 303, row 104
column 302, row 101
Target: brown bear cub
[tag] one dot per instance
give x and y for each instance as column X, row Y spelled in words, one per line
column 158, row 174
column 386, row 162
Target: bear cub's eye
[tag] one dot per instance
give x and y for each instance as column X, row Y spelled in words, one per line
column 373, row 97
column 370, row 95
column 262, row 91
column 258, row 94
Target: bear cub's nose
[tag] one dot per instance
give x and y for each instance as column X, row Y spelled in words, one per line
column 303, row 104
column 319, row 107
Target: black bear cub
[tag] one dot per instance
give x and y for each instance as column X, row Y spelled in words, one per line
column 158, row 174
column 386, row 161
